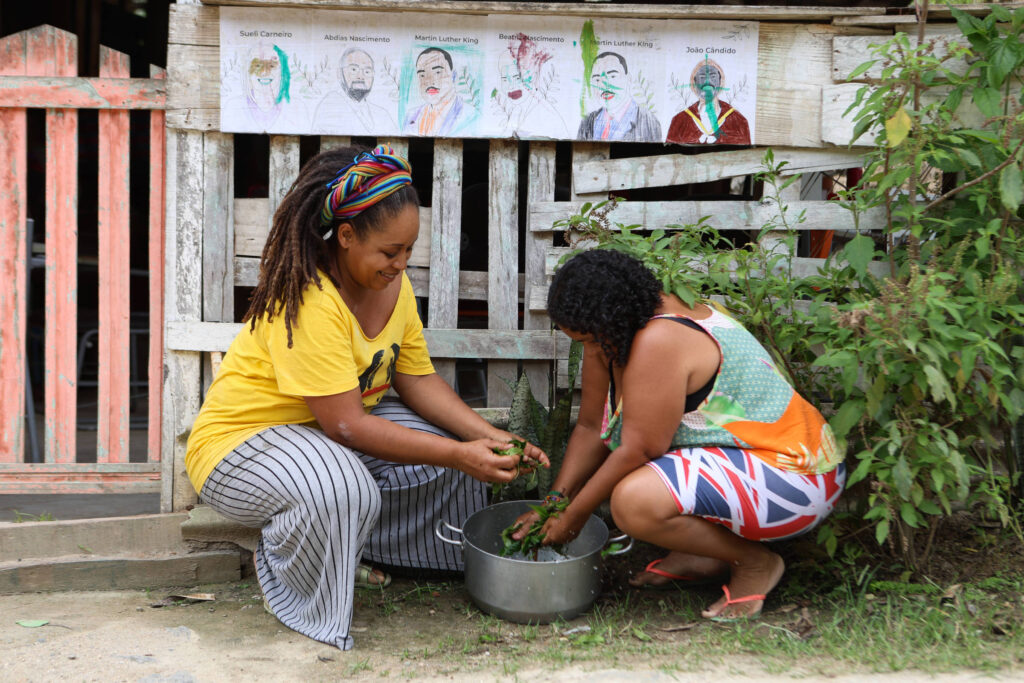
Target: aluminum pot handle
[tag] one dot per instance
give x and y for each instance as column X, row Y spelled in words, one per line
column 437, row 532
column 619, row 539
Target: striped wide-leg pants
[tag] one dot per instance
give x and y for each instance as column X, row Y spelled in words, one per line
column 322, row 506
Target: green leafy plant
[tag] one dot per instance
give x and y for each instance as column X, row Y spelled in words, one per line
column 530, row 544
column 530, row 472
column 546, row 426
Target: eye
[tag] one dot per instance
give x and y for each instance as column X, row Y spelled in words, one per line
column 392, row 254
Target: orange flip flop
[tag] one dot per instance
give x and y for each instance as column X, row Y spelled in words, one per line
column 729, row 600
column 688, row 580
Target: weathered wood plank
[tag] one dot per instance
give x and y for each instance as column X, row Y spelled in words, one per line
column 60, row 367
column 684, row 169
column 284, row 168
column 794, row 63
column 157, row 209
column 623, row 10
column 13, row 257
column 194, row 336
column 935, row 11
column 114, row 266
column 472, row 284
column 193, row 24
column 183, row 288
column 193, row 73
column 218, row 232
column 541, row 187
column 445, row 238
column 334, row 141
column 502, row 259
column 252, row 225
column 39, row 479
column 724, row 215
column 74, row 92
column 849, row 52
column 837, row 129
column 802, row 267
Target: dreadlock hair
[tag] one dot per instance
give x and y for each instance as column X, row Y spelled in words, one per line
column 299, row 244
column 607, row 294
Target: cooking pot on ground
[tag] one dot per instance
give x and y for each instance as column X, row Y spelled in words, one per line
column 530, row 591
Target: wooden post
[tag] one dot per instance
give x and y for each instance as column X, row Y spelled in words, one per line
column 541, row 187
column 114, row 273
column 183, row 291
column 502, row 260
column 13, row 254
column 157, row 208
column 61, row 231
column 445, row 236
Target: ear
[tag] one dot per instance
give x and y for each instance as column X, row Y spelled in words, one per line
column 346, row 235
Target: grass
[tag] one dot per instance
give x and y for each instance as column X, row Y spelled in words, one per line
column 804, row 630
column 29, row 517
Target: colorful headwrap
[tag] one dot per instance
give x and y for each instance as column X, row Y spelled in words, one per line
column 370, row 177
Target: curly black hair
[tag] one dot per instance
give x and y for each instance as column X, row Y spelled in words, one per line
column 607, row 294
column 298, row 245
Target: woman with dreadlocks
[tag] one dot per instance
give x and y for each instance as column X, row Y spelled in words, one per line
column 295, row 435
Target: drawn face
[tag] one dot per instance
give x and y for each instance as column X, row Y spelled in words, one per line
column 434, row 77
column 511, row 78
column 357, row 74
column 707, row 81
column 610, row 80
column 264, row 80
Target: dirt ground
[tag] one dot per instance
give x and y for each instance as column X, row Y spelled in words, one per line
column 120, row 636
column 415, row 629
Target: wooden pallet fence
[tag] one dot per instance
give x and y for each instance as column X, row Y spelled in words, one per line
column 38, row 71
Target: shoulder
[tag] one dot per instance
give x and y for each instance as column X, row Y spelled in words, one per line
column 662, row 339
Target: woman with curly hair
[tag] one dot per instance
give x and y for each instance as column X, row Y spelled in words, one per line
column 295, row 435
column 688, row 427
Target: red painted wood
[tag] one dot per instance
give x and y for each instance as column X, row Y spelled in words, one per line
column 61, row 262
column 82, row 93
column 157, row 218
column 114, row 263
column 13, row 185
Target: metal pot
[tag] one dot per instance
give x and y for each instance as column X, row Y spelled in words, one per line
column 529, row 591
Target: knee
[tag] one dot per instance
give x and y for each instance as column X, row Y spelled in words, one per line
column 630, row 507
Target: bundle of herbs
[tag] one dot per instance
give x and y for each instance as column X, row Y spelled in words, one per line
column 527, row 469
column 529, row 546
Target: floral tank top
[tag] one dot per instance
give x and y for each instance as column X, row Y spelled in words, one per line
column 750, row 406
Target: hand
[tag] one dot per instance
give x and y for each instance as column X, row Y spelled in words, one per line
column 524, row 521
column 563, row 528
column 532, row 455
column 478, row 460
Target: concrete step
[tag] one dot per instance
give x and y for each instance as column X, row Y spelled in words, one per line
column 115, row 552
column 86, row 572
column 206, row 525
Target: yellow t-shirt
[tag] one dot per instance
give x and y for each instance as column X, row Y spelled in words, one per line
column 261, row 381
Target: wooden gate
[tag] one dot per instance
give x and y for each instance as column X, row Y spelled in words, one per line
column 38, row 71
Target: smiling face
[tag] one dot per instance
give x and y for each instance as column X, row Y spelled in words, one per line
column 357, row 74
column 609, row 79
column 264, row 80
column 434, row 77
column 378, row 259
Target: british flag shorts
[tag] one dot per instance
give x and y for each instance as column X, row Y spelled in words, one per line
column 735, row 488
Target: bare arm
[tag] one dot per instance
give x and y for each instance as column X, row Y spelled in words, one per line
column 342, row 418
column 655, row 380
column 432, row 398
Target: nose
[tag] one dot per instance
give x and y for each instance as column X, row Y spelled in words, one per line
column 401, row 261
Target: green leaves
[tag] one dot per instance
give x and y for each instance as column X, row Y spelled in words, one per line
column 530, row 544
column 1011, row 188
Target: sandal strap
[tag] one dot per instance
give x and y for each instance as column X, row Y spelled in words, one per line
column 729, row 600
column 653, row 568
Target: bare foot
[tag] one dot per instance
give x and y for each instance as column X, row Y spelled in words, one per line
column 680, row 564
column 757, row 575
